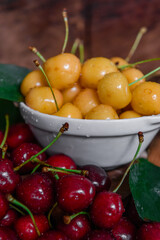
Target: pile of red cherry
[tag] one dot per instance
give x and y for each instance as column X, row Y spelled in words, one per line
column 65, row 205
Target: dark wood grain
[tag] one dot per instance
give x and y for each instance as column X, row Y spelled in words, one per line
column 107, row 27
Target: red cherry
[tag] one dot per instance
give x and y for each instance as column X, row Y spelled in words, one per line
column 9, row 218
column 24, row 152
column 106, row 209
column 7, row 234
column 77, row 228
column 149, row 231
column 18, row 134
column 124, row 229
column 25, row 228
column 3, row 205
column 36, row 192
column 98, row 177
column 53, row 235
column 74, row 193
column 99, row 235
column 8, row 178
column 61, row 161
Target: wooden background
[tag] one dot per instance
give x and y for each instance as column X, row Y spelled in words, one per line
column 107, row 27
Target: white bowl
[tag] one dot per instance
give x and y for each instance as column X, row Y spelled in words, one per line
column 107, row 143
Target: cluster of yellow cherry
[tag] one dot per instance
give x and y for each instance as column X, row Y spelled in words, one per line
column 99, row 88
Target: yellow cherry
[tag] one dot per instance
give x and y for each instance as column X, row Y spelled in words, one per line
column 62, row 70
column 94, row 69
column 146, row 98
column 86, row 100
column 41, row 99
column 129, row 114
column 102, row 112
column 113, row 90
column 31, row 80
column 70, row 111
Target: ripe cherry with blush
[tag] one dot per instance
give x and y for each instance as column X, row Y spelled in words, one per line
column 18, row 134
column 74, row 193
column 124, row 229
column 61, row 161
column 149, row 231
column 9, row 218
column 24, row 152
column 25, row 228
column 106, row 209
column 8, row 178
column 77, row 228
column 98, row 177
column 36, row 192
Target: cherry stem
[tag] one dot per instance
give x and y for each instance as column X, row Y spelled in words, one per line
column 141, row 139
column 136, row 63
column 17, row 209
column 34, row 50
column 145, row 76
column 56, row 176
column 11, row 199
column 42, row 163
column 64, row 13
column 81, row 51
column 75, row 46
column 40, row 67
column 68, row 171
column 62, row 130
column 49, row 214
column 68, row 219
column 36, row 167
column 6, row 131
column 142, row 31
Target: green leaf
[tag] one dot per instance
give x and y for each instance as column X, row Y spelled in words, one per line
column 144, row 180
column 11, row 77
column 7, row 107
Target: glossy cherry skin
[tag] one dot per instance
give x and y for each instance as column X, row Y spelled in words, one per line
column 106, row 209
column 24, row 152
column 99, row 235
column 53, row 235
column 98, row 177
column 77, row 228
column 74, row 193
column 4, row 206
column 25, row 228
column 9, row 218
column 8, row 234
column 124, row 229
column 18, row 134
column 61, row 161
column 149, row 231
column 36, row 192
column 8, row 178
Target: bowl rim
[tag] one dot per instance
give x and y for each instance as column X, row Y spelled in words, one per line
column 88, row 127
